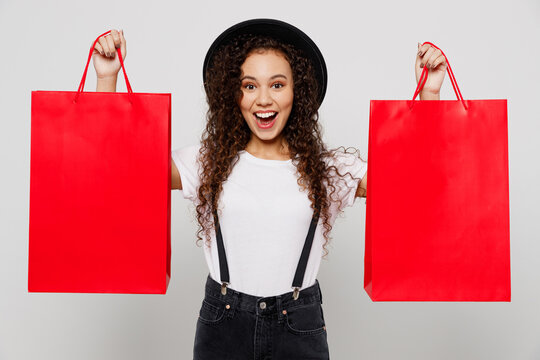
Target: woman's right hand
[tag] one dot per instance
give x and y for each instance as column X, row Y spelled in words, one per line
column 105, row 57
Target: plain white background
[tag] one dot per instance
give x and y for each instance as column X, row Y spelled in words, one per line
column 369, row 47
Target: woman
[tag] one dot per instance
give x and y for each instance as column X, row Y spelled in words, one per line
column 263, row 175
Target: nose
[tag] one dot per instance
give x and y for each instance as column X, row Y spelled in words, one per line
column 264, row 97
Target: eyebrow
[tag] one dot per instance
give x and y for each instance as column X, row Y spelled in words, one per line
column 273, row 77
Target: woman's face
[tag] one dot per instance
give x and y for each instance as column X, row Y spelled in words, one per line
column 267, row 89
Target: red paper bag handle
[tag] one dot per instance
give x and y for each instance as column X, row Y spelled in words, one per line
column 83, row 80
column 423, row 79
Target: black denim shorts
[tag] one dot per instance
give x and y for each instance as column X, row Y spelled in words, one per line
column 240, row 326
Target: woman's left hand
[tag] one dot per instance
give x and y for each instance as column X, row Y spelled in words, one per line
column 435, row 62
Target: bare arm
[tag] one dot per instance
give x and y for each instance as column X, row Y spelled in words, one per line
column 106, row 81
column 362, row 187
column 106, row 85
column 176, row 183
column 435, row 61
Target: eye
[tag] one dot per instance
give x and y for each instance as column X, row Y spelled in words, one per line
column 249, row 88
column 280, row 85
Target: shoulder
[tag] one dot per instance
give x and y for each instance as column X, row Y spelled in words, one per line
column 188, row 153
column 186, row 160
column 188, row 149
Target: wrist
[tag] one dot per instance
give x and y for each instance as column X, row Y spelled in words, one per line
column 107, row 78
column 106, row 83
column 429, row 95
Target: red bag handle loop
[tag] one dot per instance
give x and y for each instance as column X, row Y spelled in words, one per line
column 423, row 79
column 83, row 80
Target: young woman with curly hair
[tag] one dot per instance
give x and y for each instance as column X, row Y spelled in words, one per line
column 266, row 188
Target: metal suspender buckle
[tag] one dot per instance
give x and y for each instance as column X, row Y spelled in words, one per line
column 224, row 288
column 295, row 293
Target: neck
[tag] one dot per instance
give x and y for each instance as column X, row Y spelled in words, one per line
column 275, row 149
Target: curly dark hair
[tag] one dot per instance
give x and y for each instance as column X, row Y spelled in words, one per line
column 227, row 132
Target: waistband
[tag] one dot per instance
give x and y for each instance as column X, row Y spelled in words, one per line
column 272, row 304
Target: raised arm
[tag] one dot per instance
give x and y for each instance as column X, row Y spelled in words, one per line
column 107, row 66
column 433, row 59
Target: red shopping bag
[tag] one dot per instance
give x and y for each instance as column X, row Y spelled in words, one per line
column 99, row 191
column 437, row 218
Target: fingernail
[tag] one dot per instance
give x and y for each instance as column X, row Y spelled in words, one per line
column 421, row 65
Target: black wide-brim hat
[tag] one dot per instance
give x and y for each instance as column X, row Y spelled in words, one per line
column 282, row 31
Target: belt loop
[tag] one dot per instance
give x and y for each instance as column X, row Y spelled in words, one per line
column 319, row 287
column 279, row 310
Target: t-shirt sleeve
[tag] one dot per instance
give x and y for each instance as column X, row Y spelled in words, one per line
column 185, row 159
column 346, row 186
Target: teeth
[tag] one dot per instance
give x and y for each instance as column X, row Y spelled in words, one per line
column 265, row 115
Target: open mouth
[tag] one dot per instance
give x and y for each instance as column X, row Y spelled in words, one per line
column 265, row 119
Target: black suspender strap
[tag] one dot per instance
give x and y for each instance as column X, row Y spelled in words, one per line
column 223, row 266
column 302, row 263
column 300, row 269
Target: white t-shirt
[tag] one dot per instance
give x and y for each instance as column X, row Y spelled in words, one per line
column 265, row 218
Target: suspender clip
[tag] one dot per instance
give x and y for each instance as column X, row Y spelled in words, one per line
column 224, row 288
column 295, row 293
